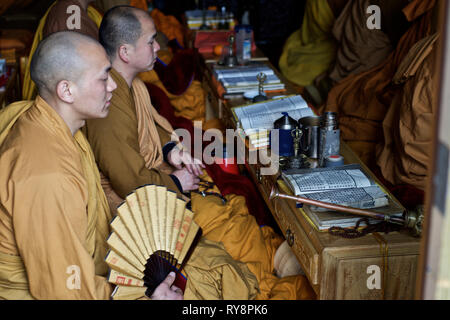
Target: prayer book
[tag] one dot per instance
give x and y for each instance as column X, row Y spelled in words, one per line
column 348, row 186
column 153, row 234
column 257, row 119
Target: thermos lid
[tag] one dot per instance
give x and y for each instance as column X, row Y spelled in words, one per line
column 330, row 120
column 285, row 122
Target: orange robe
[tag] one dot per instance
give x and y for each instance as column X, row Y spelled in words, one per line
column 54, row 215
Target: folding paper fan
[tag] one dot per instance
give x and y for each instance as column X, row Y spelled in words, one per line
column 152, row 234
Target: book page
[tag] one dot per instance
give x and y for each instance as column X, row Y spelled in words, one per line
column 364, row 198
column 263, row 115
column 266, row 120
column 327, row 180
column 242, row 71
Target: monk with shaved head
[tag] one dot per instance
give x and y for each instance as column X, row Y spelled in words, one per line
column 54, row 217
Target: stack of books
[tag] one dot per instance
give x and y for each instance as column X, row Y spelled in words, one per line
column 194, row 19
column 257, row 119
column 240, row 79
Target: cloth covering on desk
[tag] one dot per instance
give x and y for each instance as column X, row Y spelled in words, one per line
column 310, row 51
column 362, row 100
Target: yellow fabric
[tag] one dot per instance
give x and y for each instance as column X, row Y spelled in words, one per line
column 232, row 225
column 213, row 275
column 29, row 87
column 169, row 25
column 53, row 212
column 310, row 51
column 190, row 104
column 148, row 118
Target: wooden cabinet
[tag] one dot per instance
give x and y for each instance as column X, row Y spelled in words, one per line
column 376, row 266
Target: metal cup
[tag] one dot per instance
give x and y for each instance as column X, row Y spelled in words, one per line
column 309, row 142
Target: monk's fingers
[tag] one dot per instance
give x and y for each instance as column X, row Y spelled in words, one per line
column 178, row 293
column 169, row 279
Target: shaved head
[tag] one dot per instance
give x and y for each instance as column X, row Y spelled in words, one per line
column 60, row 56
column 120, row 25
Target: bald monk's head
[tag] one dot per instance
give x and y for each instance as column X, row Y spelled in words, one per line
column 128, row 34
column 71, row 72
column 58, row 57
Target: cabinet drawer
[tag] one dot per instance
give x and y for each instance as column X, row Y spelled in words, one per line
column 298, row 240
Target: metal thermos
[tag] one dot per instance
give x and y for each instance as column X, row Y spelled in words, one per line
column 329, row 136
column 285, row 125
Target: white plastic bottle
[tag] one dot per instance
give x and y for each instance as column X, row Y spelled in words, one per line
column 243, row 43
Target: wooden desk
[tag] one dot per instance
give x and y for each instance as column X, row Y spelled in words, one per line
column 337, row 268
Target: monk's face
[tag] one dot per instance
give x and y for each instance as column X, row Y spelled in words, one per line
column 144, row 52
column 94, row 89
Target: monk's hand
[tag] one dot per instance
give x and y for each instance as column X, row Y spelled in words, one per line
column 166, row 291
column 179, row 158
column 187, row 180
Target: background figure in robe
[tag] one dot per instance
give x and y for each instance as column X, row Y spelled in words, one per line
column 61, row 18
column 54, row 215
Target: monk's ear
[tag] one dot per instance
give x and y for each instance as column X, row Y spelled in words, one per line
column 65, row 91
column 124, row 53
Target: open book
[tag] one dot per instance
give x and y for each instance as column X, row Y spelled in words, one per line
column 348, row 186
column 257, row 119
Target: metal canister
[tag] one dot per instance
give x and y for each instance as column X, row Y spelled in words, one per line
column 329, row 136
column 285, row 125
column 309, row 142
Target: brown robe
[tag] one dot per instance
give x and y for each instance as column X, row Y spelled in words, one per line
column 57, row 20
column 115, row 142
column 408, row 128
column 362, row 100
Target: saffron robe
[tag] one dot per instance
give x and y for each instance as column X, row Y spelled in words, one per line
column 54, row 215
column 115, row 143
column 309, row 51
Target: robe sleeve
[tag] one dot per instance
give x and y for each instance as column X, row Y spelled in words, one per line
column 50, row 223
column 114, row 141
column 164, row 137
